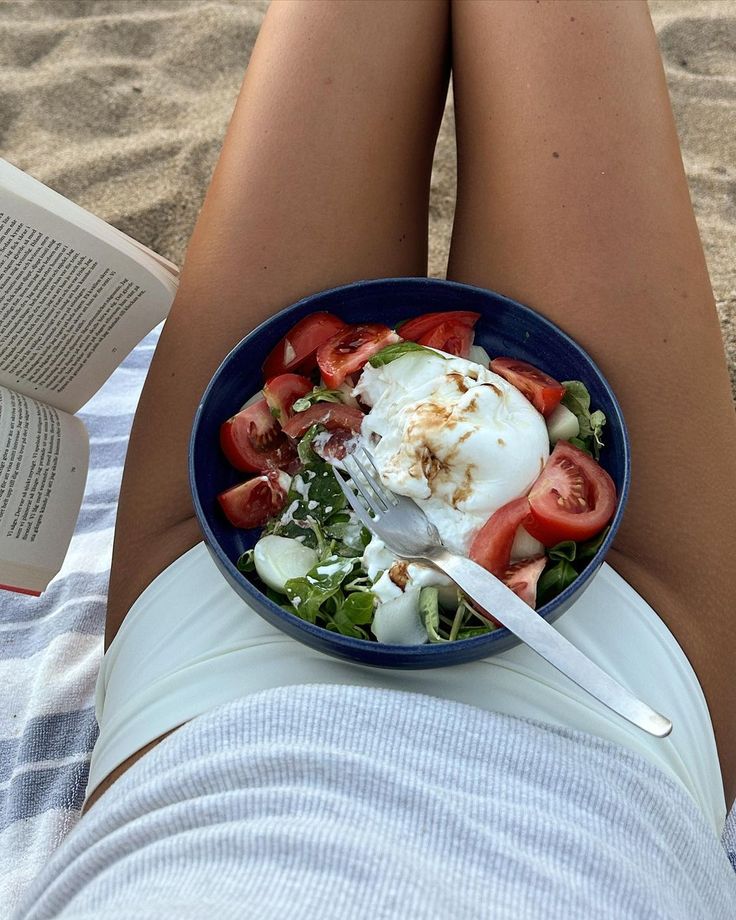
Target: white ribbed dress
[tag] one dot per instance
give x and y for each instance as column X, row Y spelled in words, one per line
column 352, row 802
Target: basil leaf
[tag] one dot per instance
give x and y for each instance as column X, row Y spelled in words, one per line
column 565, row 550
column 429, row 611
column 318, row 394
column 398, row 350
column 554, row 580
column 577, row 400
column 245, row 563
column 589, row 548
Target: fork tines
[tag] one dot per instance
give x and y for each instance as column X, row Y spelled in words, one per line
column 365, row 481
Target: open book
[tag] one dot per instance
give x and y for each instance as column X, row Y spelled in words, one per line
column 76, row 295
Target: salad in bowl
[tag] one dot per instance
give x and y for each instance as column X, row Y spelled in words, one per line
column 502, row 458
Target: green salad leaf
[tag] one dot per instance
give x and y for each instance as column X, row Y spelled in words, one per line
column 398, row 350
column 318, row 394
column 429, row 611
column 566, row 561
column 358, row 607
column 581, row 445
column 350, row 536
column 589, row 548
column 577, row 400
column 304, row 448
column 554, row 579
column 325, row 495
column 470, row 632
column 245, row 563
column 347, row 615
column 329, row 596
column 566, row 550
column 308, row 593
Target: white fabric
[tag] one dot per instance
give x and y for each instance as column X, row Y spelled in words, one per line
column 335, row 802
column 190, row 643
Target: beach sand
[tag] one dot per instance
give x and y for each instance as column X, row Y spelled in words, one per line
column 122, row 105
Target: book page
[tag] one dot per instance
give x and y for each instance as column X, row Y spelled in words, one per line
column 44, row 457
column 71, row 306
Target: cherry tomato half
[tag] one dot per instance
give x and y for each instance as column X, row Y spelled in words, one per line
column 252, row 440
column 283, row 391
column 413, row 329
column 491, row 546
column 522, row 578
column 252, row 503
column 450, row 337
column 573, row 499
column 331, row 415
column 297, row 349
column 542, row 391
column 348, row 350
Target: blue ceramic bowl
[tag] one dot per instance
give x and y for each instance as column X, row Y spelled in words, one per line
column 505, row 328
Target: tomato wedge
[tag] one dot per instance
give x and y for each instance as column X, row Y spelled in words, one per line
column 491, row 546
column 414, row 329
column 331, row 415
column 348, row 350
column 573, row 499
column 298, row 347
column 283, row 391
column 252, row 503
column 450, row 337
column 542, row 391
column 522, row 578
column 252, row 440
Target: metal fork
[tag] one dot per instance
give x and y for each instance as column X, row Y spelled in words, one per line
column 407, row 531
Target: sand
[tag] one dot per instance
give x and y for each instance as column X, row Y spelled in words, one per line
column 122, row 105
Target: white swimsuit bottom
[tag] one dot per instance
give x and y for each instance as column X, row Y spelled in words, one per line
column 189, row 644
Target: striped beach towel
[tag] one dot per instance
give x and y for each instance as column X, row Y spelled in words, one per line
column 50, row 652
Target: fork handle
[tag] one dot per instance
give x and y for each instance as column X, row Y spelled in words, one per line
column 546, row 641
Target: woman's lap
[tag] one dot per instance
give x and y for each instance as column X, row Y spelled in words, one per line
column 191, row 644
column 571, row 197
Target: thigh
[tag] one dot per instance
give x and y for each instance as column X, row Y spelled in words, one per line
column 572, row 198
column 323, row 179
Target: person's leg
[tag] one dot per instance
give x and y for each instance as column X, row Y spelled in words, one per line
column 323, row 179
column 573, row 199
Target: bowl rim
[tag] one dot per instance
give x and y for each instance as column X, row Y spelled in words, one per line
column 351, row 647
